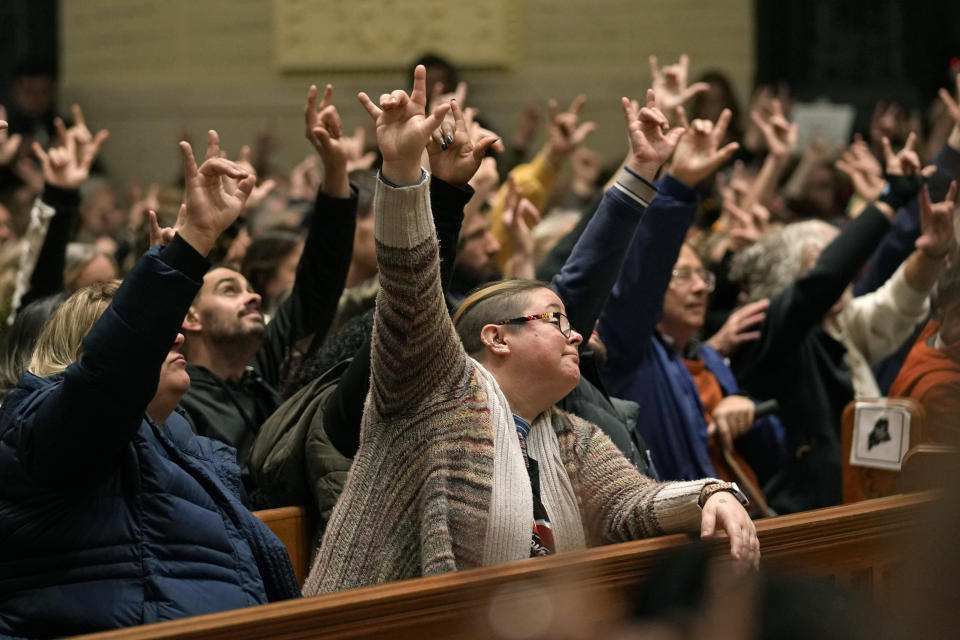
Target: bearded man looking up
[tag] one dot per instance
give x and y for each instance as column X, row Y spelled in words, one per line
column 236, row 360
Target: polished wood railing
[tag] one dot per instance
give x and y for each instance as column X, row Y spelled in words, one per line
column 858, row 544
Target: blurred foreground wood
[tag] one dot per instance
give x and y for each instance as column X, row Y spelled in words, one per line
column 858, row 544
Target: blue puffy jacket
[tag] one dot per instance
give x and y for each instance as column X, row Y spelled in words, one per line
column 106, row 518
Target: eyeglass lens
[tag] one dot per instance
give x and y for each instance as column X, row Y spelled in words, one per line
column 686, row 275
column 563, row 324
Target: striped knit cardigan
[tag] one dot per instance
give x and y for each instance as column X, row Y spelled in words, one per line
column 418, row 497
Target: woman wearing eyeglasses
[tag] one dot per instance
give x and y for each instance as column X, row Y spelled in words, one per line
column 650, row 325
column 463, row 460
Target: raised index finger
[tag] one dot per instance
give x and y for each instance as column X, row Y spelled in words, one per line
column 952, row 193
column 154, row 227
column 629, row 113
column 367, row 103
column 723, row 121
column 887, row 150
column 189, row 162
column 911, row 140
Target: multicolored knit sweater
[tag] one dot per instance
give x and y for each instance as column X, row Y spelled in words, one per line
column 419, row 498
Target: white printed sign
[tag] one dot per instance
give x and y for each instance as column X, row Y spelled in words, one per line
column 881, row 436
column 829, row 123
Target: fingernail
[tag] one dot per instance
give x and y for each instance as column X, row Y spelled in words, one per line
column 449, row 139
column 443, row 145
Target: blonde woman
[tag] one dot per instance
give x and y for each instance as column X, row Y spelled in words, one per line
column 112, row 512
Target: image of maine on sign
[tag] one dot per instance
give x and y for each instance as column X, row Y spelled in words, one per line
column 881, row 436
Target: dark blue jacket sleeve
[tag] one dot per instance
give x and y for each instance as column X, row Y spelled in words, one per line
column 592, row 268
column 898, row 244
column 635, row 305
column 78, row 428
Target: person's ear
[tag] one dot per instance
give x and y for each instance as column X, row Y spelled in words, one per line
column 191, row 323
column 493, row 337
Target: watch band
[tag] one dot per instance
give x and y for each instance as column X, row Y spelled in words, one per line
column 729, row 487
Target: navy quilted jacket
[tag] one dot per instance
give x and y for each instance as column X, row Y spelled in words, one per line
column 106, row 518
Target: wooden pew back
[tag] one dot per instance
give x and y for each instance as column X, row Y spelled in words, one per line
column 294, row 527
column 929, row 466
column 862, row 483
column 856, row 544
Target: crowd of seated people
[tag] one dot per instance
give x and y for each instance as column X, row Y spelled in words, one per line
column 417, row 341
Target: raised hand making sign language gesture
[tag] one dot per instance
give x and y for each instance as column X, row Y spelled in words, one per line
column 670, row 83
column 210, row 206
column 698, row 153
column 651, row 140
column 68, row 166
column 403, row 128
column 340, row 154
column 455, row 155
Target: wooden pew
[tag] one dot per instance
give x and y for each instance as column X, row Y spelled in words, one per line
column 856, row 544
column 929, row 466
column 862, row 483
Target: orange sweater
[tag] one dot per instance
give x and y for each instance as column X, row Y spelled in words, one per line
column 931, row 377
